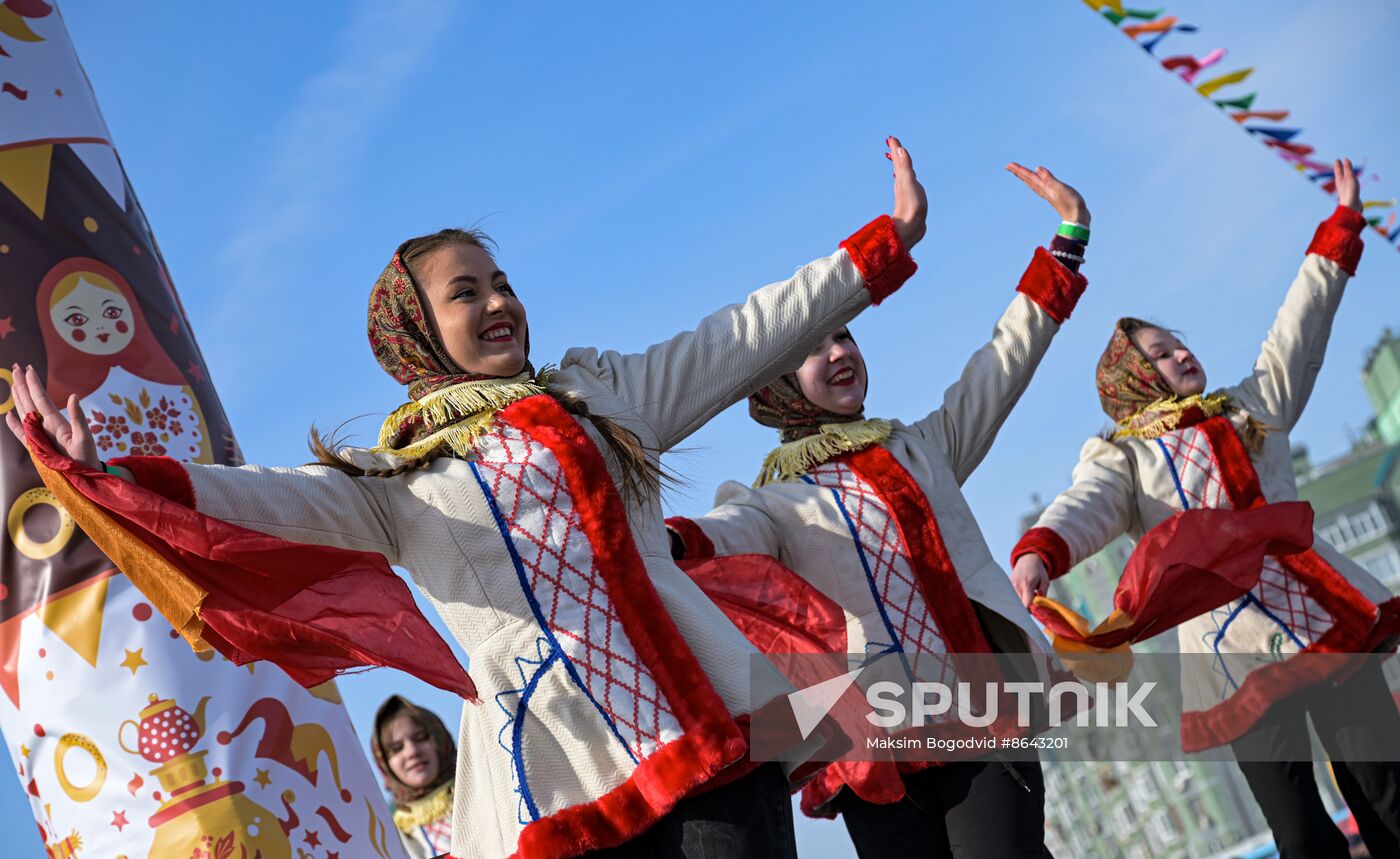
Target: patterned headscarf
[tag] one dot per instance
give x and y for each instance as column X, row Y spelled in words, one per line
column 443, row 744
column 1127, row 380
column 1137, row 397
column 782, row 406
column 406, row 347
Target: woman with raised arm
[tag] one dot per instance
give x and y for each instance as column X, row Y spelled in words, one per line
column 870, row 515
column 525, row 505
column 1249, row 675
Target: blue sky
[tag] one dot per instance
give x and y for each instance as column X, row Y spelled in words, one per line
column 642, row 167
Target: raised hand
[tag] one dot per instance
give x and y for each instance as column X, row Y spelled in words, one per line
column 71, row 434
column 1029, row 576
column 910, row 201
column 1348, row 188
column 1067, row 202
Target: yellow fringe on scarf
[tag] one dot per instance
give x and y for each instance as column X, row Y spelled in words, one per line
column 463, row 412
column 1163, row 415
column 431, row 808
column 794, row 459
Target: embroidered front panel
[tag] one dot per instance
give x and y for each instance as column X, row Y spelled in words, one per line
column 1301, row 620
column 567, row 593
column 885, row 560
column 1294, row 620
column 438, row 834
column 1195, row 469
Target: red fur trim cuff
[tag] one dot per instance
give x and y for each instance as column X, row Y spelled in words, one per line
column 1050, row 547
column 881, row 257
column 162, row 475
column 697, row 545
column 1339, row 238
column 1048, row 283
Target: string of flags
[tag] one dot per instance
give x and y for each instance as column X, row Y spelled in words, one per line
column 1149, row 27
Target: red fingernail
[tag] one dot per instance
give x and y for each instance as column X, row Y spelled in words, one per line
column 889, row 156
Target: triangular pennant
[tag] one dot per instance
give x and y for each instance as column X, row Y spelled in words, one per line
column 1210, row 86
column 76, row 618
column 1243, row 102
column 1280, row 134
column 24, row 170
column 1272, row 115
column 101, row 159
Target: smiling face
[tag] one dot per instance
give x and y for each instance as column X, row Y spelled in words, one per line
column 833, row 376
column 91, row 315
column 473, row 310
column 1177, row 364
column 412, row 757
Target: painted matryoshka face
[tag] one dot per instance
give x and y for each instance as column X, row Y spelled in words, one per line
column 92, row 319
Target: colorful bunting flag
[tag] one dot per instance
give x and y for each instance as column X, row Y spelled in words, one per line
column 1239, row 108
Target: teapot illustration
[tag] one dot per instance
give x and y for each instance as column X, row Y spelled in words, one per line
column 195, row 813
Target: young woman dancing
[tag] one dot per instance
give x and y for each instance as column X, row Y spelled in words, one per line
column 1249, row 674
column 526, row 507
column 871, row 514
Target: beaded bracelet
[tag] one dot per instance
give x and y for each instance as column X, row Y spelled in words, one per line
column 1072, row 230
column 1069, row 256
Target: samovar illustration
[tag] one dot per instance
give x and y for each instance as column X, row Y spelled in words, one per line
column 198, row 818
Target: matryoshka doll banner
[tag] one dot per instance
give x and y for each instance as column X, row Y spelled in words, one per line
column 126, row 743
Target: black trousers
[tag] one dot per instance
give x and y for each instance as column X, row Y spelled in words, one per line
column 1359, row 726
column 748, row 819
column 965, row 809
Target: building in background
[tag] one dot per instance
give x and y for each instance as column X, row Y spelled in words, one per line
column 1356, row 497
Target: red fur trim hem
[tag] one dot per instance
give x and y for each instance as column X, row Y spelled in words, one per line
column 928, row 555
column 1339, row 238
column 1355, row 632
column 162, row 475
column 881, row 257
column 660, row 781
column 697, row 545
column 712, row 741
column 1048, row 283
column 1047, row 545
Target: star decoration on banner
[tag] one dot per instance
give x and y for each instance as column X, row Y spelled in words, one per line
column 6, row 326
column 119, row 820
column 196, row 373
column 134, row 660
column 262, row 778
column 58, row 92
column 312, row 838
column 333, row 855
column 23, row 750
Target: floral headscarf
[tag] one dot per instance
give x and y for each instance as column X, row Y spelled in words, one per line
column 811, row 435
column 443, row 744
column 445, row 402
column 782, row 405
column 1136, row 396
